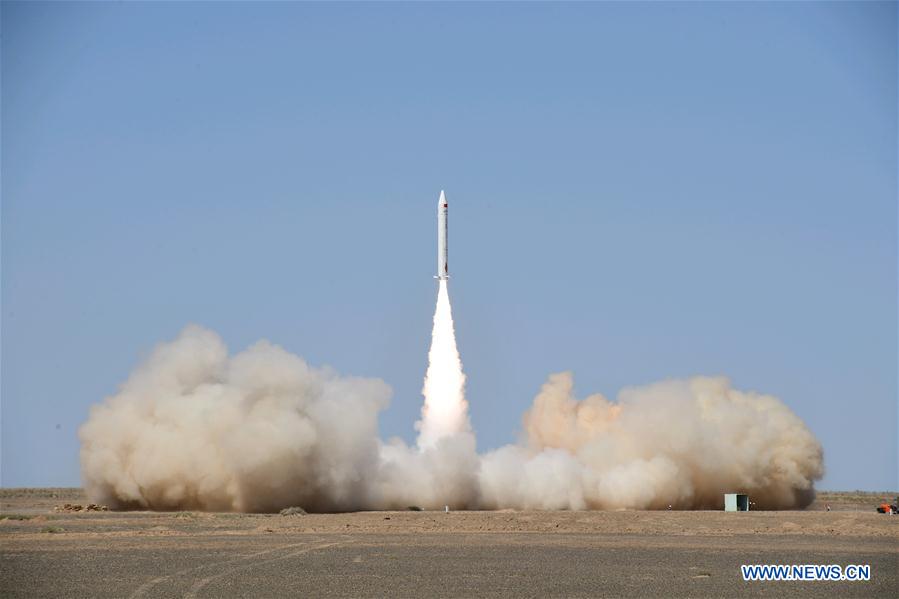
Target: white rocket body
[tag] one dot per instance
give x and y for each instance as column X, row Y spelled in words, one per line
column 442, row 261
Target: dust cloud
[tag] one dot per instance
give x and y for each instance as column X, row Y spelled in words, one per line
column 196, row 428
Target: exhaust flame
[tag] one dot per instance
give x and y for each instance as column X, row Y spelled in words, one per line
column 445, row 411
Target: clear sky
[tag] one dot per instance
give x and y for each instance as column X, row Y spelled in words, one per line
column 636, row 192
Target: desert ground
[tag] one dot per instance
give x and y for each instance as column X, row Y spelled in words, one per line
column 50, row 553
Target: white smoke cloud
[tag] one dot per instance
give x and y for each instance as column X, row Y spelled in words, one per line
column 193, row 428
column 679, row 442
column 443, row 474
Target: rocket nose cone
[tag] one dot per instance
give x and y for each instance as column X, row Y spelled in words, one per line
column 442, row 199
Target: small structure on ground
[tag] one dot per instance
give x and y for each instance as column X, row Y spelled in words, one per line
column 293, row 511
column 736, row 502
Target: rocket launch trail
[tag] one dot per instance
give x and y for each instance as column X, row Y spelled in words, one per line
column 442, row 262
column 445, row 411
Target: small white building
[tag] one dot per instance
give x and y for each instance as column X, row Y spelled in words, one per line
column 736, row 502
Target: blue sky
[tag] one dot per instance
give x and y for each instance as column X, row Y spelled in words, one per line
column 637, row 192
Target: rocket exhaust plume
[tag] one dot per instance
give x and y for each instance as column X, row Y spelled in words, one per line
column 445, row 411
column 196, row 428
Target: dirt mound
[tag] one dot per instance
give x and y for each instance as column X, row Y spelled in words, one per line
column 77, row 507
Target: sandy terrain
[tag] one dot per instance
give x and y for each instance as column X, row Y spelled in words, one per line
column 414, row 554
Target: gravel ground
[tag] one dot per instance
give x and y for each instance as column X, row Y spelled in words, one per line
column 415, row 554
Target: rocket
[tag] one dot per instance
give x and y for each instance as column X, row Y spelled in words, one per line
column 442, row 263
